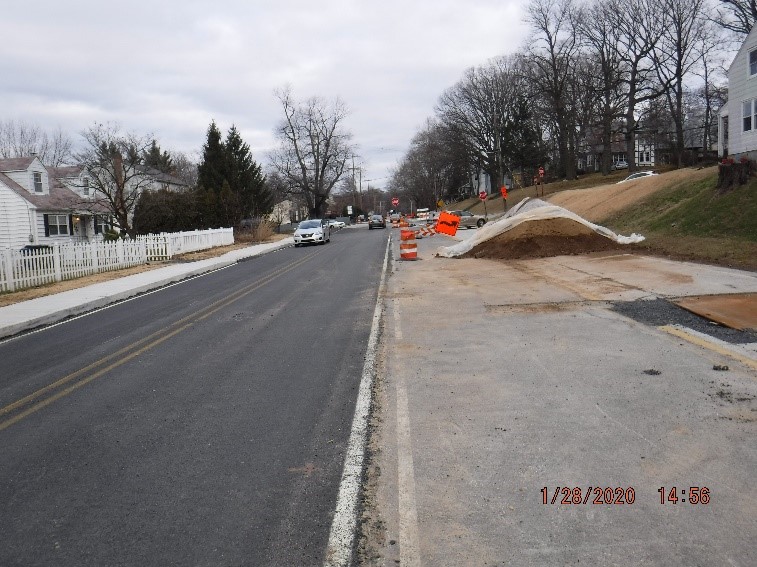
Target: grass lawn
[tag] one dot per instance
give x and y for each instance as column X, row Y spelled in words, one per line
column 691, row 220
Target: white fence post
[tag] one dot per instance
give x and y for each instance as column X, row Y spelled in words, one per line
column 93, row 251
column 56, row 262
column 8, row 269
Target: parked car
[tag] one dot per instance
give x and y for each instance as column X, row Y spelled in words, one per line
column 639, row 175
column 469, row 220
column 314, row 231
column 623, row 164
column 336, row 224
column 30, row 249
column 376, row 221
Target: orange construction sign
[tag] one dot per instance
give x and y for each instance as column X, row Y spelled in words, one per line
column 447, row 223
column 504, row 192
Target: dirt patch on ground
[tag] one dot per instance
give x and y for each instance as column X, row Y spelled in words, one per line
column 597, row 203
column 542, row 239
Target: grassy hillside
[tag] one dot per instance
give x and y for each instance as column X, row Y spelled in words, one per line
column 690, row 220
column 680, row 213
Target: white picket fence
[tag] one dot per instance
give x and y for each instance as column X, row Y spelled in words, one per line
column 29, row 268
column 165, row 245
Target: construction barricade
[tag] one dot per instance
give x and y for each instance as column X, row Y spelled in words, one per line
column 408, row 246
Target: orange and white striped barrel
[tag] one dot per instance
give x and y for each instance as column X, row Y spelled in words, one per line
column 408, row 246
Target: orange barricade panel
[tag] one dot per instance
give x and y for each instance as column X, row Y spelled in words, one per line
column 447, row 223
column 408, row 247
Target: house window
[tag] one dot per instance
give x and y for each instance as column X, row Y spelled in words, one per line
column 101, row 224
column 85, row 186
column 37, row 182
column 753, row 63
column 746, row 115
column 58, row 224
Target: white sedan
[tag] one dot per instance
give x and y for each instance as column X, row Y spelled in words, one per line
column 639, row 175
column 313, row 231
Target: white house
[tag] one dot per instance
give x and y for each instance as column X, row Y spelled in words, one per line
column 37, row 208
column 737, row 134
column 42, row 205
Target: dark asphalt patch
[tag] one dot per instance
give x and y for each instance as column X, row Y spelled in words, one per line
column 658, row 312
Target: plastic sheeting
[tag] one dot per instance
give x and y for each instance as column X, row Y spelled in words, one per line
column 525, row 211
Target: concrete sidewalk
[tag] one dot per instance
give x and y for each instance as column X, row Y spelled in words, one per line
column 506, row 386
column 34, row 313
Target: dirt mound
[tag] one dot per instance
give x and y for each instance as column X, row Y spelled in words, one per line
column 544, row 238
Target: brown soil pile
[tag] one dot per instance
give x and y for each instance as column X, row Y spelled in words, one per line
column 542, row 239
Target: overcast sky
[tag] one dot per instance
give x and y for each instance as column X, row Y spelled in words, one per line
column 169, row 67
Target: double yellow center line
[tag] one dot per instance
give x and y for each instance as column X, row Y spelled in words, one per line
column 45, row 396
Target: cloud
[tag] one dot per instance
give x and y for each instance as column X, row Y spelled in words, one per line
column 171, row 67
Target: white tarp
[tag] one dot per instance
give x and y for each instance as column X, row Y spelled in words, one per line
column 529, row 210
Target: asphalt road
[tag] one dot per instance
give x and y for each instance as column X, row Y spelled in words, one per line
column 202, row 424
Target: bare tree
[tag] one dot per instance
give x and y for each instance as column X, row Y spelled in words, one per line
column 113, row 160
column 676, row 55
column 640, row 25
column 185, row 168
column 737, row 15
column 314, row 148
column 713, row 95
column 21, row 139
column 601, row 38
column 429, row 170
column 553, row 54
column 477, row 110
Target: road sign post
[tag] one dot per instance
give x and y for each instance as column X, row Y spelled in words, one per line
column 482, row 196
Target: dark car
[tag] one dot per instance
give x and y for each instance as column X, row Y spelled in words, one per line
column 376, row 221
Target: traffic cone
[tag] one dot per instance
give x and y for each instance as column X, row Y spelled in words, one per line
column 408, row 246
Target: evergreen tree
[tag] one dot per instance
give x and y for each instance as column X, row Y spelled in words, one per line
column 229, row 172
column 211, row 171
column 245, row 177
column 157, row 159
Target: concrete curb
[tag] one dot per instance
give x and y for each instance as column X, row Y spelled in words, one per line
column 29, row 315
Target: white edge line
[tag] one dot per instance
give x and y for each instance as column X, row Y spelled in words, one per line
column 342, row 535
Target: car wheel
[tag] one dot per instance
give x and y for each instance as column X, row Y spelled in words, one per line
column 480, row 223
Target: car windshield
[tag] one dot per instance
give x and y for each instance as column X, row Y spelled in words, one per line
column 310, row 224
column 377, row 217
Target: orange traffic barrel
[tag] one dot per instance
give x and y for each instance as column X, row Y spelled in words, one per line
column 408, row 247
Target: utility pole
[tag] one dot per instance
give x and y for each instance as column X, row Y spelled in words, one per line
column 357, row 187
column 497, row 152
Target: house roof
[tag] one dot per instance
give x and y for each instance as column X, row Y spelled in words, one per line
column 66, row 171
column 59, row 199
column 159, row 176
column 750, row 42
column 16, row 164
